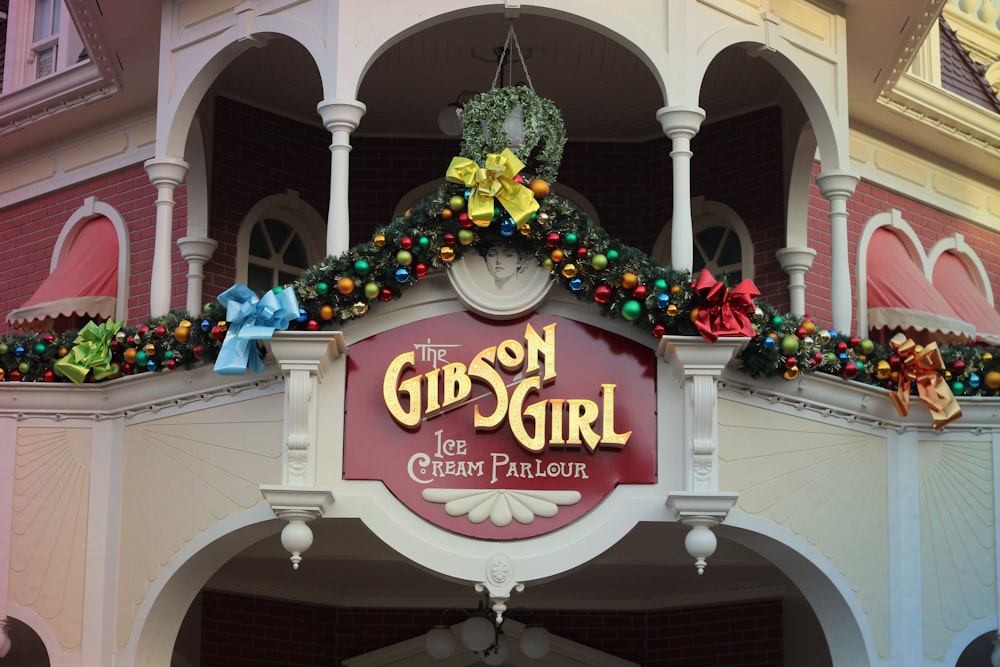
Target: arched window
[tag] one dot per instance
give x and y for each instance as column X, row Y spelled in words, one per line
column 279, row 238
column 722, row 241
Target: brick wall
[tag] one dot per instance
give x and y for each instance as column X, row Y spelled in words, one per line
column 930, row 225
column 244, row 631
column 29, row 230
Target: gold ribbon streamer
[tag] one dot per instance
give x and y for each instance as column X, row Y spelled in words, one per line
column 90, row 353
column 495, row 180
column 923, row 366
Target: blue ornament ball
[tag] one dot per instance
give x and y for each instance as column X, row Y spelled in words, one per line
column 975, row 380
column 206, row 325
column 576, row 284
column 842, row 356
column 768, row 343
column 151, row 365
column 303, row 315
column 19, row 351
column 663, row 300
column 402, row 276
column 507, row 227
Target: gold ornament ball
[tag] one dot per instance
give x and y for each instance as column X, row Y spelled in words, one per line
column 326, row 312
column 675, row 289
column 882, row 370
column 809, row 326
column 359, row 309
column 525, row 229
column 987, row 357
column 543, row 219
column 447, row 254
column 568, row 271
column 539, row 187
column 379, row 240
column 557, row 255
column 130, row 355
column 223, row 325
column 345, row 285
column 181, row 334
column 629, row 280
column 792, row 373
column 672, row 310
column 992, row 379
column 150, row 350
column 694, row 314
column 63, row 351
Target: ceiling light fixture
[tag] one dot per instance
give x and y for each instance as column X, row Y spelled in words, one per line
column 482, row 634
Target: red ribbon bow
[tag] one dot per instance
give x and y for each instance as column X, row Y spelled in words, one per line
column 724, row 312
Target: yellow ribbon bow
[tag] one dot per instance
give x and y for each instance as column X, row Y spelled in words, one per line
column 90, row 353
column 495, row 180
column 922, row 366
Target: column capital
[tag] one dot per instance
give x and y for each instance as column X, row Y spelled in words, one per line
column 166, row 170
column 795, row 259
column 197, row 248
column 680, row 121
column 837, row 183
column 341, row 114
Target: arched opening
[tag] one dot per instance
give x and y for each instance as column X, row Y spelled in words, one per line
column 24, row 648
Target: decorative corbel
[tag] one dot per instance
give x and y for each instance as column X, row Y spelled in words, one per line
column 698, row 366
column 702, row 512
column 304, row 356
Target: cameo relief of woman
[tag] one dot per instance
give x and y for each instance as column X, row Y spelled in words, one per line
column 504, row 263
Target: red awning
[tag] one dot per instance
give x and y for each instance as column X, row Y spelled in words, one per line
column 952, row 280
column 84, row 282
column 900, row 298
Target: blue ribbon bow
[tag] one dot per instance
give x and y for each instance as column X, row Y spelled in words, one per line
column 251, row 319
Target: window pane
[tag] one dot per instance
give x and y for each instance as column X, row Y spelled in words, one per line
column 295, row 255
column 731, row 252
column 46, row 19
column 710, row 239
column 259, row 278
column 278, row 232
column 45, row 62
column 258, row 243
column 284, row 278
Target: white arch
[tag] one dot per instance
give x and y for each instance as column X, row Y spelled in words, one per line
column 894, row 220
column 840, row 613
column 977, row 271
column 159, row 617
column 290, row 209
column 797, row 197
column 961, row 641
column 90, row 209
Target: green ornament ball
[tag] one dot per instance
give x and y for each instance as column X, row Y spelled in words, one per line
column 371, row 290
column 465, row 236
column 40, row 348
column 612, row 255
column 424, row 242
column 547, row 263
column 362, row 267
column 24, row 367
column 457, row 203
column 278, row 289
column 404, row 258
column 631, row 310
column 789, row 345
column 322, row 288
column 957, row 388
column 141, row 358
column 660, row 285
column 778, row 319
column 867, row 346
column 4, row 348
column 169, row 354
column 599, row 262
column 571, row 239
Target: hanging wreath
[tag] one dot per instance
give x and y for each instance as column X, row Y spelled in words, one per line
column 486, row 115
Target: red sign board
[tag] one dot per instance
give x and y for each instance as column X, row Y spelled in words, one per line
column 500, row 430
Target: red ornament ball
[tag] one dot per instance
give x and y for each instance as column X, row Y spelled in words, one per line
column 464, row 221
column 791, row 362
column 218, row 333
column 172, row 364
column 855, row 341
column 581, row 252
column 850, row 370
column 603, row 294
column 49, row 338
column 197, row 351
column 420, row 270
column 659, row 331
column 639, row 292
column 144, row 329
column 553, row 239
column 449, row 239
column 115, row 346
column 406, row 243
column 386, row 294
column 161, row 331
column 312, row 325
column 801, row 332
column 841, row 346
column 894, row 362
column 49, row 376
column 15, row 376
column 958, row 366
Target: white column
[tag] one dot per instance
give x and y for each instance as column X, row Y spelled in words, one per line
column 165, row 173
column 681, row 123
column 796, row 262
column 341, row 117
column 196, row 252
column 837, row 187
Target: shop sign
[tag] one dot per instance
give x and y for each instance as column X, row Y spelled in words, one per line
column 500, row 430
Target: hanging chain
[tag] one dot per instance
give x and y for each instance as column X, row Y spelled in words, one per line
column 511, row 36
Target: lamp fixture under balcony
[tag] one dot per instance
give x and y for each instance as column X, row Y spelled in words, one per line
column 482, row 633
